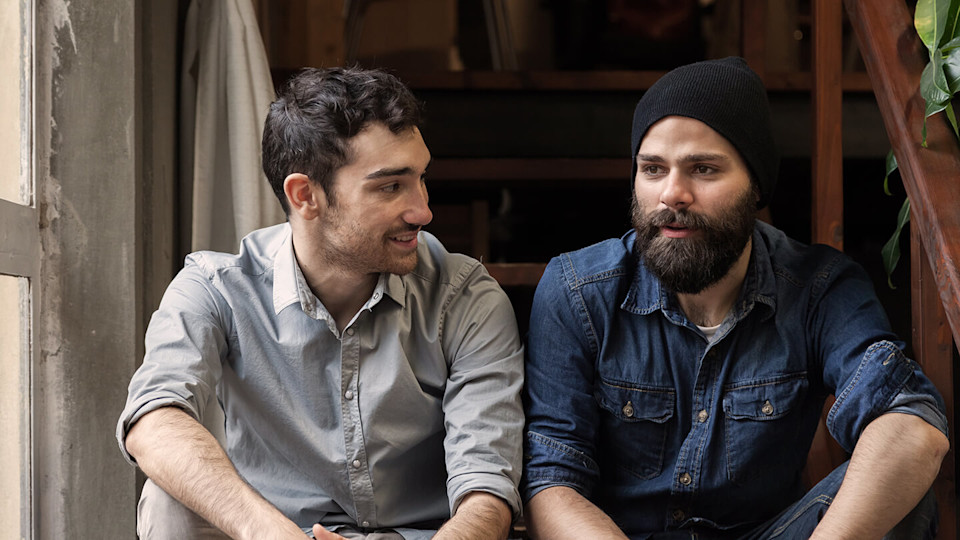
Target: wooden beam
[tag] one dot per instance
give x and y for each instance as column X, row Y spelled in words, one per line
column 500, row 169
column 933, row 348
column 516, row 274
column 895, row 57
column 827, row 97
column 753, row 39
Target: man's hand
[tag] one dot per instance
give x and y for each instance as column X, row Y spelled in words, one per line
column 322, row 534
column 480, row 516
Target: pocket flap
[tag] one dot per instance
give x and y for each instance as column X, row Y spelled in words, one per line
column 632, row 403
column 766, row 399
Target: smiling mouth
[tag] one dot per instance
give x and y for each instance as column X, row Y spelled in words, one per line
column 405, row 237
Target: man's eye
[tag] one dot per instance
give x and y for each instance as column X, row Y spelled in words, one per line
column 704, row 169
column 390, row 188
column 652, row 169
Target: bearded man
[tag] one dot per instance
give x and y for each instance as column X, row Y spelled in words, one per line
column 676, row 376
column 343, row 376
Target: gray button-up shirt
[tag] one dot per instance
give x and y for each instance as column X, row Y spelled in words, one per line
column 387, row 424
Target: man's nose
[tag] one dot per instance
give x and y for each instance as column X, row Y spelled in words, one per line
column 419, row 211
column 676, row 192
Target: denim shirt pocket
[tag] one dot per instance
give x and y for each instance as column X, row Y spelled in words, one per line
column 759, row 417
column 634, row 424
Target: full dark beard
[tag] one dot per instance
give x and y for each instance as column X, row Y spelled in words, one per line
column 690, row 265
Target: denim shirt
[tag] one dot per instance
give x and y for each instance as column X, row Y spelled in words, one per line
column 631, row 405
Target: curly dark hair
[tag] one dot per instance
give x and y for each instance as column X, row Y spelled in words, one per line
column 317, row 112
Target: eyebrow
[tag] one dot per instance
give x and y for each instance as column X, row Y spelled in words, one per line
column 394, row 171
column 385, row 173
column 689, row 158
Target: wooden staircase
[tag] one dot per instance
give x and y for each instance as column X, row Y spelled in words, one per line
column 895, row 57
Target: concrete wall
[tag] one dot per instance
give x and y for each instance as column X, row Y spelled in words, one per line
column 93, row 152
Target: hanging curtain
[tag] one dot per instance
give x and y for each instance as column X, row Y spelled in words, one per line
column 226, row 91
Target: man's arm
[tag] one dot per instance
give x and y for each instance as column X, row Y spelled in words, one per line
column 560, row 513
column 893, row 465
column 186, row 461
column 480, row 516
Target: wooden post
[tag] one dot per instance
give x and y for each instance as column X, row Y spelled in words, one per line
column 753, row 40
column 827, row 97
column 318, row 26
column 933, row 348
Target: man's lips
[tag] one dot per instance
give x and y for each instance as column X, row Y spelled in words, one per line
column 675, row 230
column 405, row 239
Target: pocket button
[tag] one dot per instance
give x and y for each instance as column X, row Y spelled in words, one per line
column 767, row 408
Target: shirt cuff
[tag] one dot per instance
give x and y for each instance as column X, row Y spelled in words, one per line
column 136, row 410
column 550, row 463
column 493, row 484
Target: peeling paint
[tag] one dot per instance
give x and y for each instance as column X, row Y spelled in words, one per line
column 60, row 17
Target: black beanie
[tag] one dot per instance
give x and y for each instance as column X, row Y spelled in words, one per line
column 727, row 96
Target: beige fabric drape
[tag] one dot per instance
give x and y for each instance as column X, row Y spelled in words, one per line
column 226, row 91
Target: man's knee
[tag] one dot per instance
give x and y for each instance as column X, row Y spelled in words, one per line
column 161, row 517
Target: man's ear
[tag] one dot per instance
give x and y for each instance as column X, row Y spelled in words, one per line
column 304, row 198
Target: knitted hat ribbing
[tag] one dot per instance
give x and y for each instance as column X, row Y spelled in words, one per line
column 727, row 96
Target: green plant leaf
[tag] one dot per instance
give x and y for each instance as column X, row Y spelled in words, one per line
column 953, row 17
column 930, row 20
column 934, row 90
column 891, row 166
column 951, row 67
column 891, row 250
column 952, row 118
column 934, row 86
column 949, row 46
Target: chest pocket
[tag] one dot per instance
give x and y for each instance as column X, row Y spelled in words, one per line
column 634, row 423
column 762, row 427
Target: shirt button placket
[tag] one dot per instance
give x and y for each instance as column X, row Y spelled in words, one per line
column 360, row 481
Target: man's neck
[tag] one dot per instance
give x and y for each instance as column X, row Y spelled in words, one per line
column 342, row 292
column 710, row 306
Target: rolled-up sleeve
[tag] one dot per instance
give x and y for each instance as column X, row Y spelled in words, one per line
column 184, row 344
column 483, row 414
column 863, row 362
column 562, row 415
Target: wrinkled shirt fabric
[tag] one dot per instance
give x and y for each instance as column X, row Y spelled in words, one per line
column 387, row 424
column 665, row 430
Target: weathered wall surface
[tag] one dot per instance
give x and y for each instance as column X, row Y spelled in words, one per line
column 87, row 174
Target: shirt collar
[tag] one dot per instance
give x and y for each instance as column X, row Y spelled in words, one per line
column 285, row 272
column 396, row 288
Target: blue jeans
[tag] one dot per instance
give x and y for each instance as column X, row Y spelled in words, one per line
column 801, row 518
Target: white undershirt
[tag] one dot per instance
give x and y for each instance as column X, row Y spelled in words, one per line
column 709, row 331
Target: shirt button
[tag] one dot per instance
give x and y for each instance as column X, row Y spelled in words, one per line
column 628, row 409
column 702, row 416
column 365, row 524
column 356, row 464
column 348, row 394
column 350, row 331
column 678, row 515
column 376, row 296
column 686, row 479
column 767, row 408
